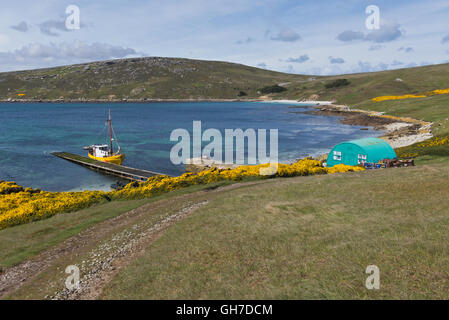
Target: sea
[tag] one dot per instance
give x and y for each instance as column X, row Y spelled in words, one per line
column 30, row 132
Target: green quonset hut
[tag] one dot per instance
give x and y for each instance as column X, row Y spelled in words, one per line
column 353, row 153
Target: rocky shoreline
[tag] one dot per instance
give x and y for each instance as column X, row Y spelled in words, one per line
column 399, row 131
column 123, row 100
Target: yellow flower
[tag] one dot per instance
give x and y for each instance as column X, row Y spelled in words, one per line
column 411, row 96
column 19, row 205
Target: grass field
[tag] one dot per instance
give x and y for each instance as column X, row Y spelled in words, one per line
column 305, row 238
column 296, row 238
column 23, row 242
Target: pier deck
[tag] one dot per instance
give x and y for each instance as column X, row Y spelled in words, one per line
column 109, row 168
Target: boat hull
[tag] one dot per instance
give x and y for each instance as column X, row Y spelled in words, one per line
column 116, row 159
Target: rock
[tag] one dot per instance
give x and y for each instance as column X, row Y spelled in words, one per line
column 137, row 91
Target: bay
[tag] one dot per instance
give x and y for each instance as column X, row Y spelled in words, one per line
column 29, row 132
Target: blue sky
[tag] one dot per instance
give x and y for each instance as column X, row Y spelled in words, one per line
column 307, row 37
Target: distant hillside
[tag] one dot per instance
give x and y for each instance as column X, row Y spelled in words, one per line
column 363, row 87
column 140, row 78
column 177, row 78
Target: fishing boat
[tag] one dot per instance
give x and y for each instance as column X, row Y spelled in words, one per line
column 105, row 152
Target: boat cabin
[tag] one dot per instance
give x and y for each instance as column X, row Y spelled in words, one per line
column 100, row 150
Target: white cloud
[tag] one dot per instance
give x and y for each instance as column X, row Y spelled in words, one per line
column 397, row 63
column 287, row 35
column 336, row 60
column 411, row 65
column 365, row 66
column 445, row 39
column 387, row 32
column 209, row 29
column 36, row 54
column 48, row 26
column 406, row 49
column 4, row 39
column 376, row 47
column 290, row 69
column 22, row 27
column 245, row 41
column 300, row 59
column 349, row 35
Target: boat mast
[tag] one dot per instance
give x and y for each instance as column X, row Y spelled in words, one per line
column 110, row 133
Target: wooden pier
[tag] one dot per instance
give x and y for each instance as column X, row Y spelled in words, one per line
column 108, row 168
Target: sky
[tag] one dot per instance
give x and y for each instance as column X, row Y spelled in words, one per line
column 319, row 37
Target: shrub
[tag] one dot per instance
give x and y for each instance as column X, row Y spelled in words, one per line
column 437, row 146
column 19, row 205
column 272, row 89
column 337, row 83
column 411, row 96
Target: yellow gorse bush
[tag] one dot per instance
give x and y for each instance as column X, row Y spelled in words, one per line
column 423, row 148
column 19, row 205
column 411, row 96
column 442, row 91
column 25, row 206
column 7, row 187
column 407, row 96
column 444, row 141
column 408, row 154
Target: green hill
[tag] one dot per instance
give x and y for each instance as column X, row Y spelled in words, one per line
column 177, row 78
column 364, row 86
column 141, row 78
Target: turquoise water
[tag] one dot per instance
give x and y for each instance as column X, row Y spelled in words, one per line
column 29, row 132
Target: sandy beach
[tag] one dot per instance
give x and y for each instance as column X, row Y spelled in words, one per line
column 299, row 103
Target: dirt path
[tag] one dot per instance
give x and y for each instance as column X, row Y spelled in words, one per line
column 112, row 255
column 103, row 249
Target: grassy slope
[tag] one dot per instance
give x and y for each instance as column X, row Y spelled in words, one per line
column 186, row 78
column 22, row 242
column 365, row 86
column 141, row 78
column 307, row 237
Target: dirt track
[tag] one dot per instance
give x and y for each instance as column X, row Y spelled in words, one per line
column 102, row 250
